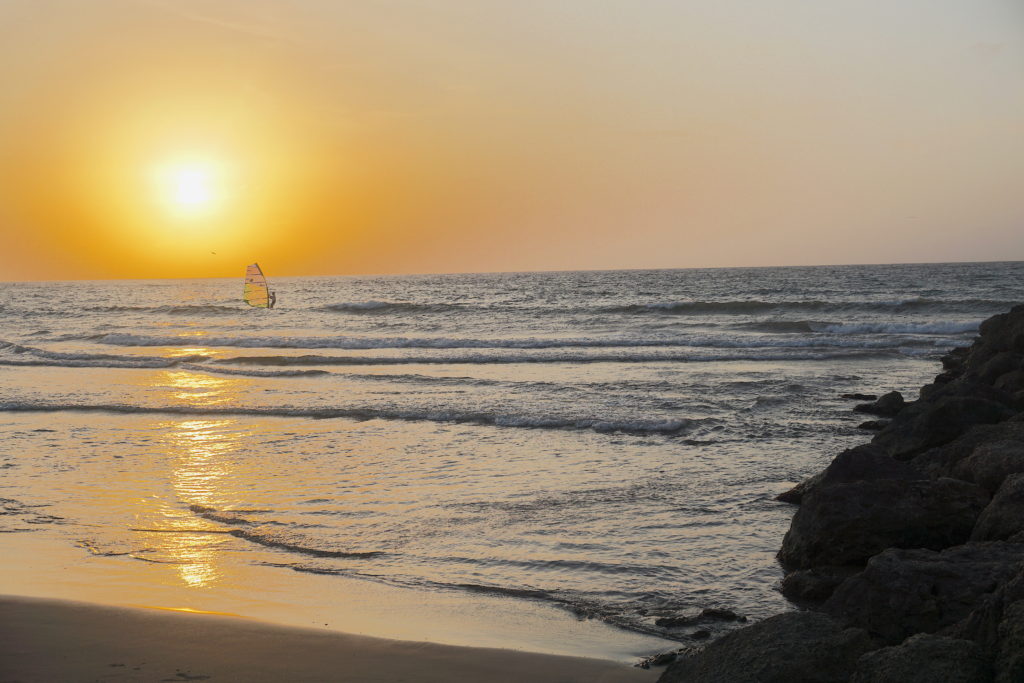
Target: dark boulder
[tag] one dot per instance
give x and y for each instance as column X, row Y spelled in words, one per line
column 1004, row 515
column 1012, row 383
column 815, row 584
column 796, row 494
column 847, row 523
column 991, row 463
column 943, row 460
column 942, row 417
column 1010, row 656
column 1003, row 332
column 925, row 658
column 874, row 425
column 861, row 463
column 903, row 592
column 794, row 646
column 886, row 406
column 983, row 623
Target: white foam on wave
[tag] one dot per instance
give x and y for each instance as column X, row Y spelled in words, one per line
column 18, row 355
column 625, row 357
column 601, row 425
column 959, row 327
column 369, row 343
column 220, row 370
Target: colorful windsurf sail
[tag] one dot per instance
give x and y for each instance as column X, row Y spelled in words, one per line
column 256, row 292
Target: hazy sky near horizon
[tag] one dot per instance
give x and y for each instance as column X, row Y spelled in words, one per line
column 186, row 138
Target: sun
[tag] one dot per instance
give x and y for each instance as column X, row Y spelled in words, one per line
column 190, row 187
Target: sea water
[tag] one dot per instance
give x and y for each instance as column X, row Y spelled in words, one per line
column 601, row 445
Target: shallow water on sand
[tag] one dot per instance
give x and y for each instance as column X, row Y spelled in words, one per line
column 602, row 446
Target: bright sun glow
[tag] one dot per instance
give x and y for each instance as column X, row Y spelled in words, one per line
column 189, row 188
column 193, row 187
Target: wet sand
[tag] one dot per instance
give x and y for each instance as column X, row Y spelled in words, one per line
column 52, row 640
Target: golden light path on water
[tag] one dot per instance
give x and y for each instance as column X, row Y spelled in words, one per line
column 201, row 473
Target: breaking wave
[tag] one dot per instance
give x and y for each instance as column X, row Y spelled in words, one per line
column 383, row 307
column 625, row 357
column 748, row 307
column 31, row 356
column 181, row 309
column 219, row 370
column 864, row 328
column 483, row 418
column 831, row 339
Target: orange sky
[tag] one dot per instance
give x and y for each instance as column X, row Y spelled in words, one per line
column 405, row 136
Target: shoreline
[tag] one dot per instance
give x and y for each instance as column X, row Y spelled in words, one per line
column 47, row 640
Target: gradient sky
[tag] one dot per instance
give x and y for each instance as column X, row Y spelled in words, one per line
column 404, row 136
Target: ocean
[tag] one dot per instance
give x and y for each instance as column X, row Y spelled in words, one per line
column 595, row 450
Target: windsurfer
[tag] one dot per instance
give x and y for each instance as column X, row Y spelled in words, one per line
column 273, row 300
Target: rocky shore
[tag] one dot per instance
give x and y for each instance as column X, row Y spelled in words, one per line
column 906, row 553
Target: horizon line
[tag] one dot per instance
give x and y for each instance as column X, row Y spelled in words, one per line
column 522, row 272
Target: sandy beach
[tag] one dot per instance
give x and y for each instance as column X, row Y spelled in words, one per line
column 50, row 640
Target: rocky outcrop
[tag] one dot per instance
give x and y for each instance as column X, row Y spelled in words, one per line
column 886, row 406
column 847, row 523
column 903, row 592
column 795, row 646
column 862, row 463
column 1004, row 516
column 912, row 545
column 925, row 659
column 992, row 462
column 981, row 385
column 815, row 584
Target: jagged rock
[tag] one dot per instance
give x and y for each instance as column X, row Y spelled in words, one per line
column 860, row 397
column 861, row 463
column 991, row 463
column 1012, row 382
column 815, row 584
column 873, row 425
column 866, row 463
column 1010, row 658
column 1003, row 332
column 983, row 623
column 1004, row 515
column 794, row 646
column 701, row 634
column 847, row 523
column 941, row 417
column 903, row 592
column 1002, row 363
column 944, row 460
column 796, row 494
column 925, row 658
column 886, row 406
column 954, row 360
column 719, row 614
column 707, row 614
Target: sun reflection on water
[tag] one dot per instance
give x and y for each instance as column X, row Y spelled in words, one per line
column 201, row 458
column 199, row 390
